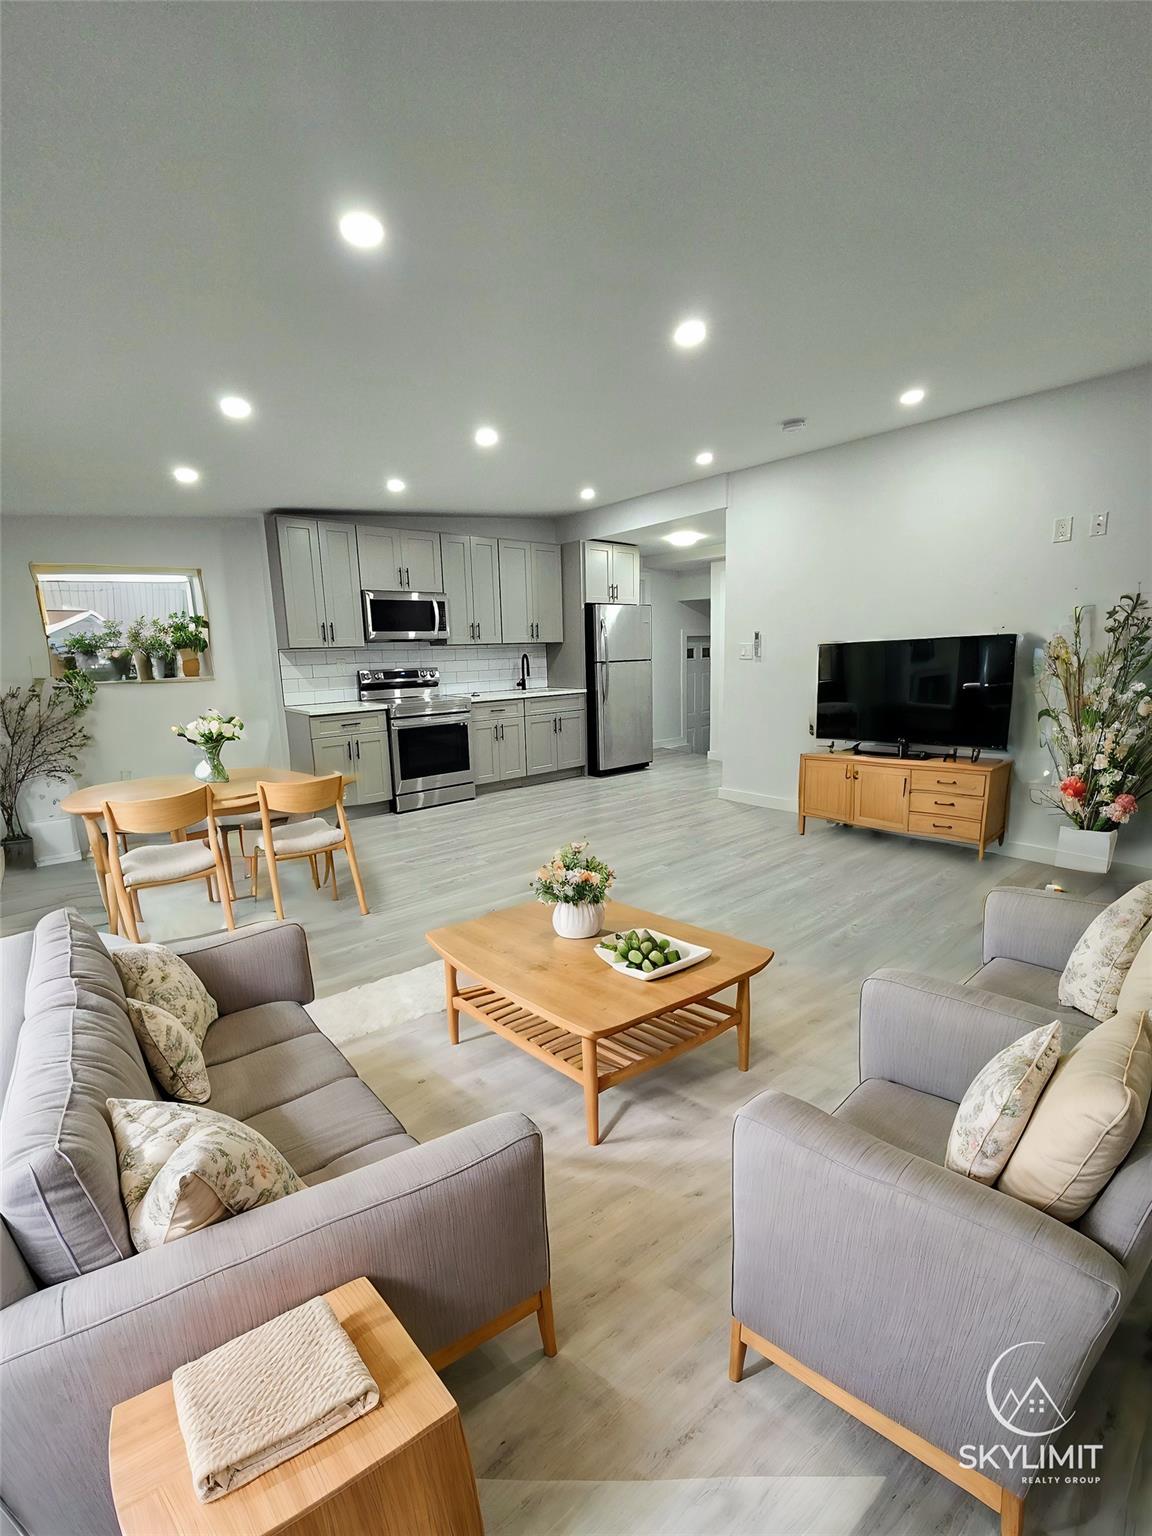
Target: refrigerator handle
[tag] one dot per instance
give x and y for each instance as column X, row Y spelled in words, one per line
column 603, row 655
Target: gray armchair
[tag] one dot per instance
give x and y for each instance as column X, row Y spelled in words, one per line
column 893, row 1286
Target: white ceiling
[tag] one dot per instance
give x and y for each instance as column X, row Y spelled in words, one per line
column 856, row 197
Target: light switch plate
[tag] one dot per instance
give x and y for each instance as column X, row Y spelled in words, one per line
column 745, row 653
column 1062, row 530
column 1100, row 525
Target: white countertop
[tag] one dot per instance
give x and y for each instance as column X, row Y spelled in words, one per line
column 356, row 707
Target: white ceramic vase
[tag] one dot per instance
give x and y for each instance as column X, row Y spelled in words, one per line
column 578, row 920
column 1091, row 851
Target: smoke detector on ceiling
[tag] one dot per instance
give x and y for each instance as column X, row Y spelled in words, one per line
column 794, row 424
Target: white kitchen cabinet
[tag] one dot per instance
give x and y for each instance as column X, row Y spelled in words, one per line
column 611, row 572
column 482, row 739
column 472, row 584
column 330, row 755
column 510, row 746
column 554, row 733
column 571, row 738
column 540, row 743
column 531, row 603
column 355, row 745
column 547, row 598
column 399, row 559
column 320, row 582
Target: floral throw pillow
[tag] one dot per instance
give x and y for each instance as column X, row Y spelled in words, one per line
column 1098, row 965
column 174, row 1059
column 995, row 1110
column 183, row 1168
column 153, row 974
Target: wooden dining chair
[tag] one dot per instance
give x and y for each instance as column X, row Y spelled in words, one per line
column 173, row 863
column 313, row 839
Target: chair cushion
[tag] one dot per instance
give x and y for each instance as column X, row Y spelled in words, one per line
column 1029, row 984
column 309, row 836
column 166, row 861
column 251, row 1029
column 1087, row 1120
column 917, row 1122
column 316, row 1131
column 59, row 1186
column 183, row 1168
column 1097, row 966
column 999, row 1102
column 248, row 1085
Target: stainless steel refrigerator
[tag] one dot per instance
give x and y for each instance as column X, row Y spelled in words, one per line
column 619, row 659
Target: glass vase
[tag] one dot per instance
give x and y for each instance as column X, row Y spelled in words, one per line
column 212, row 770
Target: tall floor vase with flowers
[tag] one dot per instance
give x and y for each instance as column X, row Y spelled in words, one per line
column 1096, row 721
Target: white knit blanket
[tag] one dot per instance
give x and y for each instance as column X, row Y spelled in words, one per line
column 268, row 1395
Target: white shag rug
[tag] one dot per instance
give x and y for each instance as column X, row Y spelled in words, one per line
column 377, row 1004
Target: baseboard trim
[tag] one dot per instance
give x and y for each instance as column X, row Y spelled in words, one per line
column 672, row 742
column 59, row 858
column 714, row 757
column 752, row 797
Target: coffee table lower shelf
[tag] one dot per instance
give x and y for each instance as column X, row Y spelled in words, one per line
column 602, row 1061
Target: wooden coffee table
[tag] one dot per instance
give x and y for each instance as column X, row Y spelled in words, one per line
column 558, row 1001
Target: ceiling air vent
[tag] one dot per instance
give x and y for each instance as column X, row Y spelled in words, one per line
column 794, row 424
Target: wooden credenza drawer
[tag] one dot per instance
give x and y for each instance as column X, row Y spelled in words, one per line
column 944, row 803
column 954, row 783
column 954, row 827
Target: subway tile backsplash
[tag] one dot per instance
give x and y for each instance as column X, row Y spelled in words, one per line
column 329, row 676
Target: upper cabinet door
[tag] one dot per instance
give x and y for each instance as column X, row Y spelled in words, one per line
column 341, row 572
column 304, row 612
column 516, row 615
column 597, row 573
column 420, row 558
column 625, row 573
column 381, row 564
column 547, row 597
column 486, row 591
column 456, row 557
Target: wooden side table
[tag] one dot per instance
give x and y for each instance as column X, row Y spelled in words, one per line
column 401, row 1470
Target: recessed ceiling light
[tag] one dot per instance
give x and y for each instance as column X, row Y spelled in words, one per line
column 689, row 333
column 185, row 474
column 361, row 229
column 236, row 407
column 588, row 493
column 683, row 539
column 913, row 396
column 705, row 458
column 486, row 437
column 395, row 485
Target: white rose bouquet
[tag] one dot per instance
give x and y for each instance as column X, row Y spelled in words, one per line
column 210, row 732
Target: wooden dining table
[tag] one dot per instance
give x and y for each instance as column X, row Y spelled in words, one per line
column 236, row 796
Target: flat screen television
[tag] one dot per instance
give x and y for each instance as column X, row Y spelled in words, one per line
column 950, row 691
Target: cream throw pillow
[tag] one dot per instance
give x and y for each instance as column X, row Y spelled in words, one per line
column 173, row 1056
column 153, row 974
column 1097, row 966
column 995, row 1110
column 1136, row 992
column 1087, row 1120
column 183, row 1168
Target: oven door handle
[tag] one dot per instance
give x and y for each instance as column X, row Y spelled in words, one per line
column 415, row 722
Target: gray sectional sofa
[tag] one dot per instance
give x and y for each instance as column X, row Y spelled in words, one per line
column 891, row 1280
column 452, row 1233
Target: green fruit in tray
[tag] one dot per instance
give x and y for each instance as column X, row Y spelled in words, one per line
column 671, row 956
column 647, row 966
column 646, row 946
column 656, row 959
column 635, row 957
column 664, row 943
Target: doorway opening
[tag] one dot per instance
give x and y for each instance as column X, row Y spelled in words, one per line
column 697, row 677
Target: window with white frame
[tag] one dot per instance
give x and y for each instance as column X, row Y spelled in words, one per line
column 145, row 624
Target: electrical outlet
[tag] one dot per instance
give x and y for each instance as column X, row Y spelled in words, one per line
column 1062, row 530
column 1099, row 525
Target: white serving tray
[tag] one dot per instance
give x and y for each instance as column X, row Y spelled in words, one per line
column 690, row 954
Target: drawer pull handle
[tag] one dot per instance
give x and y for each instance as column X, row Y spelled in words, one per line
column 942, row 826
column 949, row 804
column 943, row 782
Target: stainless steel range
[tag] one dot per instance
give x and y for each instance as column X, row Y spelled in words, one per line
column 427, row 735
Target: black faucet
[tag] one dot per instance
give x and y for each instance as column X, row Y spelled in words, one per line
column 525, row 671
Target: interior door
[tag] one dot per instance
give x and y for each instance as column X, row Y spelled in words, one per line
column 697, row 691
column 371, row 767
column 516, row 614
column 456, row 567
column 486, row 590
column 420, row 557
column 540, row 742
column 381, row 567
column 881, row 796
column 547, row 596
column 304, row 614
column 597, row 573
column 571, row 739
column 827, row 788
column 341, row 569
column 625, row 573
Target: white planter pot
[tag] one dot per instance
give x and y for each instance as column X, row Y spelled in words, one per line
column 1091, row 851
column 578, row 921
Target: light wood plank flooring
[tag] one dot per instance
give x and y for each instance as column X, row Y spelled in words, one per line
column 634, row 1428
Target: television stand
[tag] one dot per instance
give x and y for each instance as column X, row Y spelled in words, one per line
column 931, row 796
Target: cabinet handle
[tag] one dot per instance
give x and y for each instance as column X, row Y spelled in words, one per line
column 847, row 771
column 477, row 629
column 942, row 826
column 332, row 633
column 904, row 790
column 357, row 751
column 553, row 725
column 407, row 578
column 945, row 804
column 561, row 725
column 348, row 744
column 942, row 782
column 399, row 575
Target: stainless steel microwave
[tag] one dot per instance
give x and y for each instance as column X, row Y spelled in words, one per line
column 405, row 616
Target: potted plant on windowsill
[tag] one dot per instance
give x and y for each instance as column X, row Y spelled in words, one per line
column 189, row 634
column 41, row 736
column 87, row 645
column 136, row 639
column 161, row 649
column 574, row 883
column 1096, row 717
column 115, row 653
